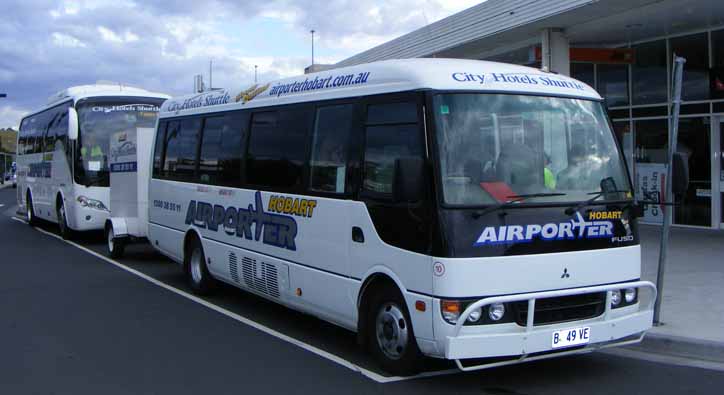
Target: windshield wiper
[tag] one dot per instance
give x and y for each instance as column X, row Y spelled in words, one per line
column 571, row 210
column 513, row 200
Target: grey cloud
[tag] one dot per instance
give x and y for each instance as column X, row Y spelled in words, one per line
column 33, row 66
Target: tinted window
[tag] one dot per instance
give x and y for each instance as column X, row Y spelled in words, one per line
column 221, row 151
column 695, row 49
column 277, row 148
column 158, row 149
column 181, row 147
column 405, row 112
column 649, row 73
column 717, row 77
column 613, row 83
column 330, row 148
column 583, row 72
column 60, row 129
column 22, row 137
column 41, row 128
column 383, row 145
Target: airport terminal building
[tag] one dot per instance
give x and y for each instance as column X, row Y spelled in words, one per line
column 624, row 49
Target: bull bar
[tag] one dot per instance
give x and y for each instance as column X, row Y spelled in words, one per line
column 529, row 342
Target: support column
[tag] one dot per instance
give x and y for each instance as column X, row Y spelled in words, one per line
column 555, row 51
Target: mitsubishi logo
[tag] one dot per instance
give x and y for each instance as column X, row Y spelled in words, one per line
column 565, row 273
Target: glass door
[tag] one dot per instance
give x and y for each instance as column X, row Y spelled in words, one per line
column 695, row 205
column 718, row 126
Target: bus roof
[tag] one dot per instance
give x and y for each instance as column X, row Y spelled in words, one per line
column 101, row 89
column 385, row 77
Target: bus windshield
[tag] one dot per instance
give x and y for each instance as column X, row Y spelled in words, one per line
column 497, row 148
column 97, row 121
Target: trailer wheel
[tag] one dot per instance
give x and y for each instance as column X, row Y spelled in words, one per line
column 391, row 339
column 198, row 276
column 115, row 246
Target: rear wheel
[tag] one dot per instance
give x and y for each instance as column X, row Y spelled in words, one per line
column 65, row 231
column 390, row 335
column 29, row 211
column 197, row 273
column 116, row 246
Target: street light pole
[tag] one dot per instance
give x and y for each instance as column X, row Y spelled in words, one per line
column 312, row 31
column 4, row 160
column 255, row 67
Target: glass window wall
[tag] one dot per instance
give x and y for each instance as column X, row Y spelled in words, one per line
column 695, row 49
column 649, row 84
column 613, row 84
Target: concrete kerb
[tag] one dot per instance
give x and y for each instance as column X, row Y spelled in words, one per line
column 704, row 350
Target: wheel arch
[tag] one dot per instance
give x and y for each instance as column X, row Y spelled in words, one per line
column 191, row 235
column 374, row 279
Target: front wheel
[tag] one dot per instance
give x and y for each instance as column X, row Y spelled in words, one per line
column 115, row 246
column 65, row 231
column 391, row 337
column 29, row 211
column 197, row 274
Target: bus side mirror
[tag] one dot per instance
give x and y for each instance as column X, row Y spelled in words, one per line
column 72, row 124
column 680, row 174
column 408, row 176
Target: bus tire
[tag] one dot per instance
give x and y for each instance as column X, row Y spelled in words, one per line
column 65, row 231
column 198, row 276
column 29, row 211
column 391, row 339
column 115, row 246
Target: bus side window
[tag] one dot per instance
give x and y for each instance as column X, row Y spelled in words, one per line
column 392, row 132
column 221, row 148
column 278, row 148
column 23, row 137
column 158, row 149
column 181, row 150
column 49, row 145
column 330, row 148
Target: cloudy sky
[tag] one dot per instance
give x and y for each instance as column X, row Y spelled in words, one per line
column 47, row 45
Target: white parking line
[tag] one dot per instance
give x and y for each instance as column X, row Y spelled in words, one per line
column 324, row 354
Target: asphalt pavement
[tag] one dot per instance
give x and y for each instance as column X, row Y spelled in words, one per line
column 73, row 322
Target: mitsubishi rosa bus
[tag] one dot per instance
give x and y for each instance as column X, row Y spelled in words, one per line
column 63, row 152
column 467, row 210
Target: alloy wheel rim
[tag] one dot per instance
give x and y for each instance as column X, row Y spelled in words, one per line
column 391, row 330
column 196, row 274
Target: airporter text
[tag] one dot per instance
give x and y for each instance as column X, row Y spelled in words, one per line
column 273, row 229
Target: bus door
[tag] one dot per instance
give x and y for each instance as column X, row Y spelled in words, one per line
column 393, row 129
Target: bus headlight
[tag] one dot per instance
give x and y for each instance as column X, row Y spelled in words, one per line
column 475, row 315
column 91, row 203
column 629, row 295
column 615, row 298
column 496, row 311
column 450, row 310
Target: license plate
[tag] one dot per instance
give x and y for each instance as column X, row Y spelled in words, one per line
column 571, row 337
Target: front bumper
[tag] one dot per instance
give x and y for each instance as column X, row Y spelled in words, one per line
column 85, row 218
column 606, row 330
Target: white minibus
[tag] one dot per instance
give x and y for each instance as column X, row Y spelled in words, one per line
column 63, row 155
column 467, row 210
